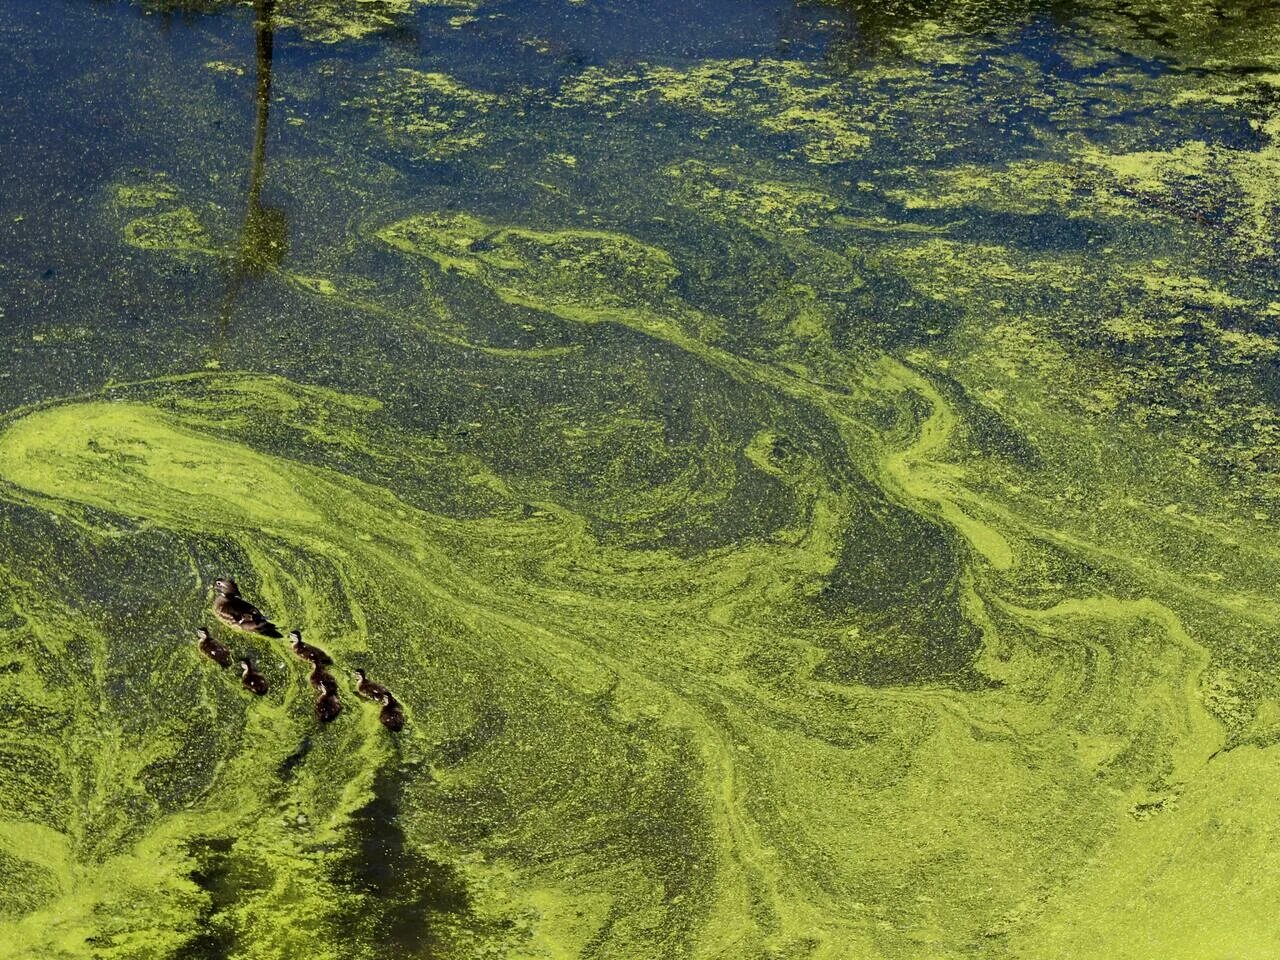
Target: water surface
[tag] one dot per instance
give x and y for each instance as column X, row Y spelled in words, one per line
column 809, row 471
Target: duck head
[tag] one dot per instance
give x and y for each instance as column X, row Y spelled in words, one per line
column 226, row 586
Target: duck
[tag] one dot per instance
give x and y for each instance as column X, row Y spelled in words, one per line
column 211, row 648
column 367, row 688
column 391, row 715
column 252, row 680
column 305, row 651
column 328, row 706
column 237, row 612
column 319, row 677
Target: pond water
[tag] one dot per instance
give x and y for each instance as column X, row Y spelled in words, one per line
column 807, row 470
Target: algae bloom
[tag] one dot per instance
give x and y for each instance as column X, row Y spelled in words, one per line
column 808, row 473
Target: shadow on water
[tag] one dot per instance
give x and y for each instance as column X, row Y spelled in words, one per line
column 401, row 895
column 217, row 876
column 291, row 762
column 397, row 898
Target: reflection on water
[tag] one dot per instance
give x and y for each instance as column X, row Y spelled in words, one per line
column 264, row 238
column 808, row 470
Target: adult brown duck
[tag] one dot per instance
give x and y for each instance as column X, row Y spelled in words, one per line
column 252, row 680
column 211, row 648
column 305, row 651
column 237, row 612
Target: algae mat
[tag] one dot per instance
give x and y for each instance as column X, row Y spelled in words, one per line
column 811, row 480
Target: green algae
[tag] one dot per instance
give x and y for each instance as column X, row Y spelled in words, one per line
column 1026, row 187
column 164, row 467
column 767, row 205
column 333, row 21
column 320, row 21
column 1236, row 188
column 915, row 601
column 150, row 466
column 179, row 230
column 769, row 808
column 143, row 195
column 777, row 96
column 579, row 273
column 1139, row 754
column 430, row 111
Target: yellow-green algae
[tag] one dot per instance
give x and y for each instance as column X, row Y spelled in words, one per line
column 430, row 111
column 322, row 21
column 655, row 678
column 779, row 96
column 724, row 193
column 939, row 622
column 178, row 229
column 153, row 465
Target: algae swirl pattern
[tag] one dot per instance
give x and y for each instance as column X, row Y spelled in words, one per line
column 846, row 546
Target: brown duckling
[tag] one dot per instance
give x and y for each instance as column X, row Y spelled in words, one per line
column 305, row 651
column 328, row 706
column 367, row 688
column 237, row 612
column 211, row 648
column 319, row 677
column 252, row 680
column 392, row 714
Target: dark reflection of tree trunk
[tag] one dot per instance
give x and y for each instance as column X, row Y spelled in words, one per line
column 264, row 235
column 266, row 43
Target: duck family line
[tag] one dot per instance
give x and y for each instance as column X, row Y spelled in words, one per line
column 239, row 614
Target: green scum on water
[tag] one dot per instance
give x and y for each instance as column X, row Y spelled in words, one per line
column 812, row 485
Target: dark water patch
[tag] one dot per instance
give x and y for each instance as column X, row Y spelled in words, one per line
column 290, row 763
column 26, row 889
column 900, row 575
column 401, row 897
column 216, row 875
column 1042, row 232
column 1267, row 376
column 231, row 878
column 990, row 433
column 889, row 313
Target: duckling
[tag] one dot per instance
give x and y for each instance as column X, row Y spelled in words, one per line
column 306, row 651
column 211, row 648
column 367, row 688
column 237, row 612
column 319, row 676
column 392, row 714
column 252, row 680
column 328, row 706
